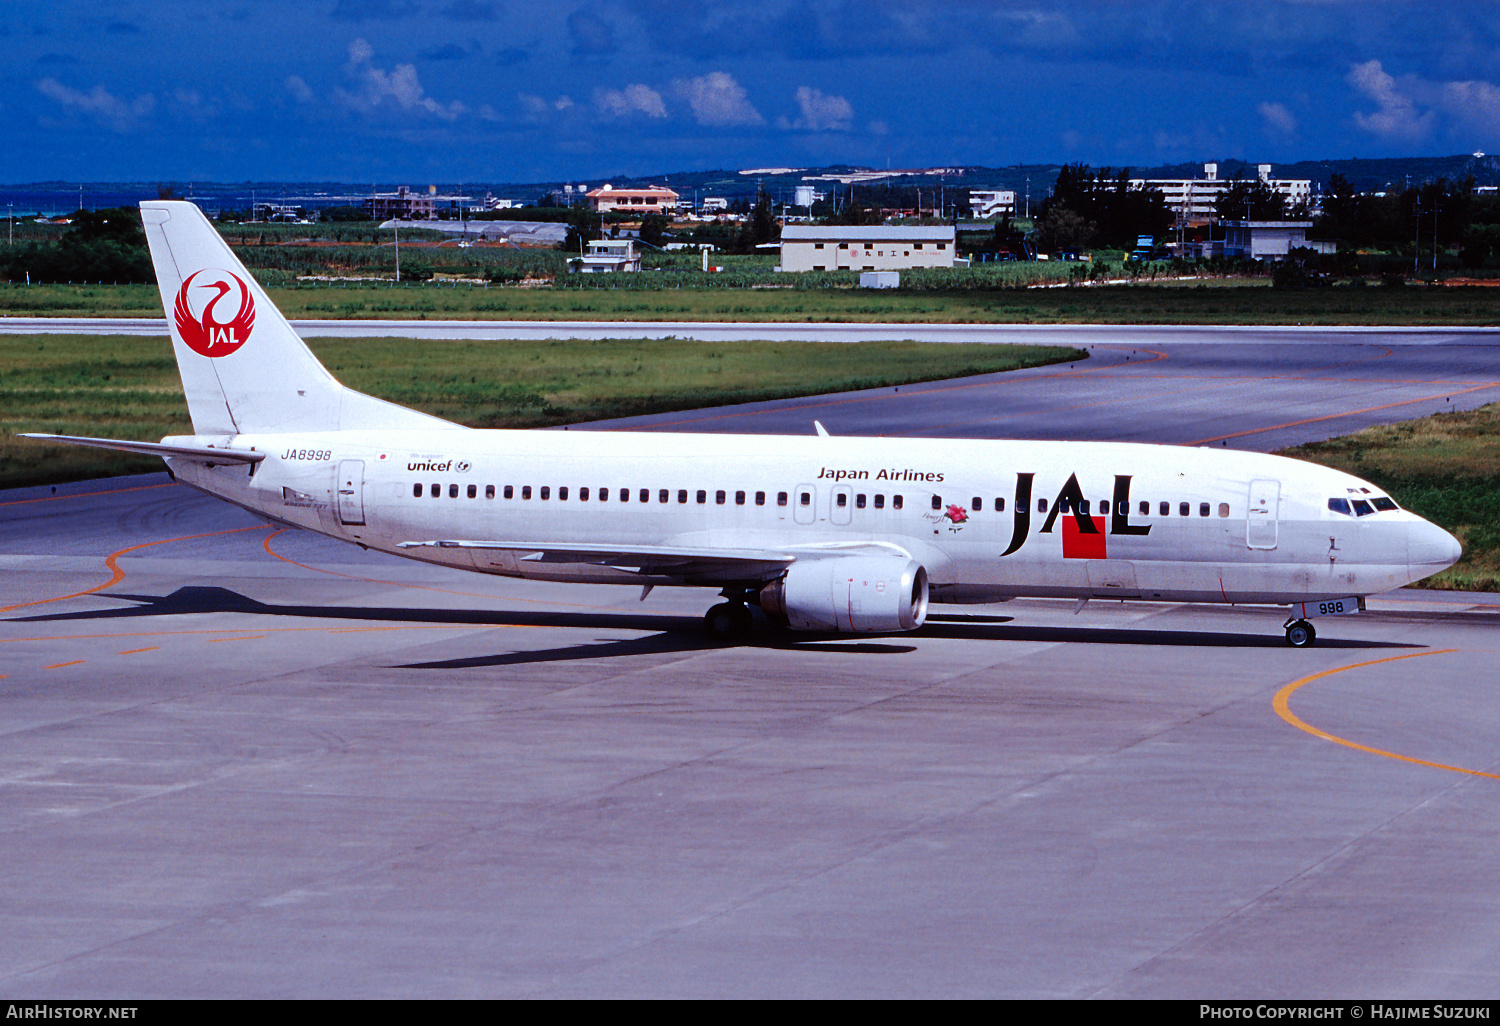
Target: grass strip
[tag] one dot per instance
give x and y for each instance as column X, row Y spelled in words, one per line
column 1445, row 468
column 127, row 387
column 1219, row 302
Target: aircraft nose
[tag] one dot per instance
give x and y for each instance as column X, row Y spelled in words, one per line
column 1430, row 548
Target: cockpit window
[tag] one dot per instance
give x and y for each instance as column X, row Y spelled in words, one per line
column 1340, row 506
column 1384, row 504
column 1362, row 508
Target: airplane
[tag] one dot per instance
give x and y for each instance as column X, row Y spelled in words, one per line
column 823, row 533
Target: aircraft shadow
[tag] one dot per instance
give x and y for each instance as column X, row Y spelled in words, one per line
column 673, row 632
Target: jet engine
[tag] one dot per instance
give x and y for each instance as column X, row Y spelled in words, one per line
column 850, row 594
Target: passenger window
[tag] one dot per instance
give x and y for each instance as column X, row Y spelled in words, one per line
column 805, row 498
column 702, row 496
column 489, row 491
column 1362, row 508
column 739, row 498
column 1145, row 508
column 879, row 501
column 999, row 505
column 1203, row 509
column 760, row 498
column 1164, row 509
column 1184, row 510
column 526, row 491
column 1223, row 509
column 859, row 502
column 545, row 492
column 841, row 499
column 781, row 498
column 682, row 495
column 510, row 491
column 562, row 494
column 976, row 504
column 896, row 501
column 583, row 495
column 937, row 502
column 604, row 494
column 453, row 491
column 437, row 490
column 1041, row 505
column 719, row 497
column 416, row 490
column 661, row 496
column 473, row 491
column 1083, row 507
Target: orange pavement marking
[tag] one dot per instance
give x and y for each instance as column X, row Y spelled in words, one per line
column 58, row 666
column 133, row 651
column 1347, row 413
column 1283, row 697
column 119, row 575
column 256, row 637
column 85, row 495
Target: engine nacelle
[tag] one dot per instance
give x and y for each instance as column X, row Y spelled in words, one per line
column 851, row 594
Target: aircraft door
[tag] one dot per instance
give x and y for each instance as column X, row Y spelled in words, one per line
column 351, row 492
column 805, row 504
column 841, row 505
column 1261, row 519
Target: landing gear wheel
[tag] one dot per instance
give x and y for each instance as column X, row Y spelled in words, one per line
column 727, row 621
column 1300, row 634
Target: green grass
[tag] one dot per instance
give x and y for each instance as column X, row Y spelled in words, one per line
column 127, row 387
column 1445, row 468
column 1219, row 302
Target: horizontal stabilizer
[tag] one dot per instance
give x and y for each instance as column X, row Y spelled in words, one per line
column 201, row 453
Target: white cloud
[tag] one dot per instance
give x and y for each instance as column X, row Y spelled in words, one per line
column 538, row 108
column 299, row 88
column 821, row 112
column 398, row 87
column 633, row 99
column 717, row 99
column 118, row 114
column 1277, row 118
column 1396, row 116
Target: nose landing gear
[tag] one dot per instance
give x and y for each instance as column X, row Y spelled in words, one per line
column 1300, row 633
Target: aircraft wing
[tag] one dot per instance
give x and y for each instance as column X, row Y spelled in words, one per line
column 202, row 453
column 656, row 560
column 672, row 560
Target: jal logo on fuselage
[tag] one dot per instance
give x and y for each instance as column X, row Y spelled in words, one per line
column 215, row 312
column 1083, row 536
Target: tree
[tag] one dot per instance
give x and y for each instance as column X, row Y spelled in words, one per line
column 760, row 227
column 1062, row 228
column 1118, row 213
column 653, row 229
column 1250, row 201
column 584, row 225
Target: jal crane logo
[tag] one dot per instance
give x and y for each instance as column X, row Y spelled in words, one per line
column 206, row 297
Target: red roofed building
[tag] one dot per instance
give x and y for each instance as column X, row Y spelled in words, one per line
column 651, row 200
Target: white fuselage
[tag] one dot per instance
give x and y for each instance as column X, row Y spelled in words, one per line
column 1160, row 522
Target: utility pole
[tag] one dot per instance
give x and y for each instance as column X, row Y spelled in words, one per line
column 396, row 231
column 1417, row 249
column 1436, row 210
column 10, row 210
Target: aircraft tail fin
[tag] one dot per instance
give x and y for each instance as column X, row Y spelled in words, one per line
column 244, row 370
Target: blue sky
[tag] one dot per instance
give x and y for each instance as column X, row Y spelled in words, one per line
column 500, row 90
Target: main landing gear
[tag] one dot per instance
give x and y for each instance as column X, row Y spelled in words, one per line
column 1300, row 633
column 728, row 621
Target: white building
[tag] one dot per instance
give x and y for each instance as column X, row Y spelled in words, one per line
column 650, row 200
column 1196, row 199
column 608, row 256
column 987, row 203
column 1269, row 240
column 874, row 248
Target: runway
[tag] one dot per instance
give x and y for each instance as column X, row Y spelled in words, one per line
column 244, row 762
